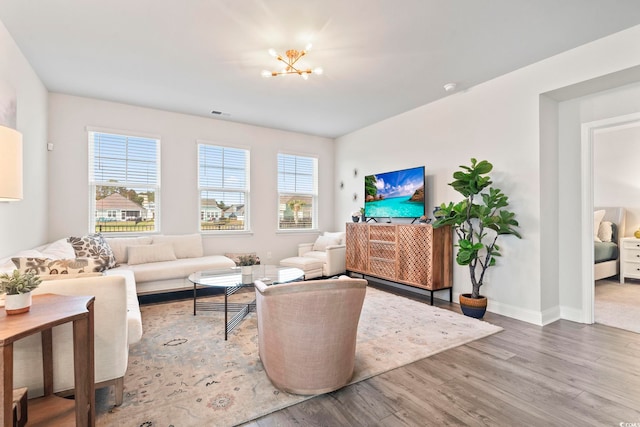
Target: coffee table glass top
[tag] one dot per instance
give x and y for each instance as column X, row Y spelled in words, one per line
column 229, row 277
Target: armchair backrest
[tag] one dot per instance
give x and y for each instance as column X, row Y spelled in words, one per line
column 307, row 332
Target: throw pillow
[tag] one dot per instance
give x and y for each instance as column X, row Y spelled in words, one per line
column 57, row 266
column 69, row 276
column 119, row 246
column 340, row 235
column 184, row 246
column 597, row 219
column 151, row 253
column 94, row 245
column 322, row 242
column 605, row 232
column 60, row 249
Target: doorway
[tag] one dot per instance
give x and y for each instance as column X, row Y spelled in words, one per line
column 592, row 133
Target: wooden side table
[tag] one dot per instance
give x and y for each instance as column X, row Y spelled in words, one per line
column 47, row 311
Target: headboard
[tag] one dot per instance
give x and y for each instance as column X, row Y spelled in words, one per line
column 617, row 215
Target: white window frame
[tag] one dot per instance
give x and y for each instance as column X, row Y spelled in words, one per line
column 313, row 194
column 230, row 189
column 95, row 182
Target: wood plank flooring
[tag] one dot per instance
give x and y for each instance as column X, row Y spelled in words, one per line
column 562, row 374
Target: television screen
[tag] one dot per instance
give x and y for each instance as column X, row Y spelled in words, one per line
column 398, row 194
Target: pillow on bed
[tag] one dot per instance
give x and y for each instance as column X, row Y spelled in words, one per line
column 605, row 231
column 597, row 219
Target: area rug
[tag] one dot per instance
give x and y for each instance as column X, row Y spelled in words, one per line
column 618, row 305
column 183, row 372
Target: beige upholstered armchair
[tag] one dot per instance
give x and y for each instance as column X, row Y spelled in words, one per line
column 329, row 248
column 307, row 333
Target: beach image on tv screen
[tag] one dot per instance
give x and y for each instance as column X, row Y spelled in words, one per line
column 398, row 194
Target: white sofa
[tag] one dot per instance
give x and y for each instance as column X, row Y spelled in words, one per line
column 330, row 248
column 166, row 273
column 147, row 265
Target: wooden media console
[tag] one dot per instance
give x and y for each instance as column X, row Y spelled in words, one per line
column 417, row 255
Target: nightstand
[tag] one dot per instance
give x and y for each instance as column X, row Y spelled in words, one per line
column 629, row 258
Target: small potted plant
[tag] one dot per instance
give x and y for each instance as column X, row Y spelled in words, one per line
column 246, row 263
column 478, row 220
column 18, row 286
column 355, row 216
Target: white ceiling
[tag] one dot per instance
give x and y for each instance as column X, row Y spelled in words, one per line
column 380, row 57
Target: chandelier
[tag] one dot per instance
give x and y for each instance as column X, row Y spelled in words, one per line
column 291, row 58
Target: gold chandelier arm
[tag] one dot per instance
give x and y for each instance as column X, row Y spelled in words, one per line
column 292, row 58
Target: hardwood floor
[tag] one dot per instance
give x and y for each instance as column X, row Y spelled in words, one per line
column 562, row 374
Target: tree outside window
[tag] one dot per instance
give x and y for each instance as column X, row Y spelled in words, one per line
column 297, row 192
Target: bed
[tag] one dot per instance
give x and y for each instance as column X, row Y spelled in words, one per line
column 607, row 253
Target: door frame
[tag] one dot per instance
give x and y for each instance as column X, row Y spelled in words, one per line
column 589, row 132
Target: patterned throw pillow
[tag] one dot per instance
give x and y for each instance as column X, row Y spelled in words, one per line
column 57, row 266
column 94, row 246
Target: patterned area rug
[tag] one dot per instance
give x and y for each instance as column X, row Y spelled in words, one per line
column 617, row 304
column 183, row 373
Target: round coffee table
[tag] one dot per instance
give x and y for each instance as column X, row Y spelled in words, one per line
column 232, row 280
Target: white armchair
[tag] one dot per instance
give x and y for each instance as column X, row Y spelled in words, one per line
column 330, row 248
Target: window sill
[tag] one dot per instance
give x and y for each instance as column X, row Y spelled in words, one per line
column 226, row 233
column 299, row 231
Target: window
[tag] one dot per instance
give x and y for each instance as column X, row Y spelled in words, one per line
column 297, row 192
column 124, row 182
column 223, row 177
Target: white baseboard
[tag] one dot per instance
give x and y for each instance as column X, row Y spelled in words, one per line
column 572, row 314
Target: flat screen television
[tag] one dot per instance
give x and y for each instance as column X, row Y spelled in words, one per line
column 397, row 194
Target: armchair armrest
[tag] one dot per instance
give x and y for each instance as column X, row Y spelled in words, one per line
column 110, row 330
column 336, row 260
column 303, row 248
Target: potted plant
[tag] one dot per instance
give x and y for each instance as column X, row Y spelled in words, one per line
column 17, row 287
column 479, row 219
column 246, row 263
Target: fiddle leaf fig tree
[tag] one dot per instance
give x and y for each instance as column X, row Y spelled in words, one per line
column 478, row 220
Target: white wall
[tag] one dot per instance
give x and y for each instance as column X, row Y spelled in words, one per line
column 499, row 121
column 23, row 224
column 616, row 173
column 68, row 163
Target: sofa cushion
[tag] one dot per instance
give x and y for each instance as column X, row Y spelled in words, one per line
column 323, row 241
column 322, row 256
column 178, row 269
column 119, row 246
column 94, row 245
column 57, row 266
column 184, row 245
column 151, row 253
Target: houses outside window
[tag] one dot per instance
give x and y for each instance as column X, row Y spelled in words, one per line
column 297, row 192
column 223, row 184
column 124, row 182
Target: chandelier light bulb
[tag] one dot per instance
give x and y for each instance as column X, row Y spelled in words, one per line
column 318, row 71
column 308, row 47
column 290, row 61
